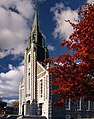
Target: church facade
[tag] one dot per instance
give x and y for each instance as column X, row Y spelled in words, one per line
column 35, row 91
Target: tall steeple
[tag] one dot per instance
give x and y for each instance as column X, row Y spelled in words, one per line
column 38, row 39
column 35, row 23
column 35, row 29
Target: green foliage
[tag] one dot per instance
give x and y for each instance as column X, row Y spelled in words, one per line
column 15, row 104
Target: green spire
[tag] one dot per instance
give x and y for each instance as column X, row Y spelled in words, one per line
column 35, row 30
column 35, row 27
column 38, row 39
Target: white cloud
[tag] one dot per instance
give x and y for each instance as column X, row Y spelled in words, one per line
column 9, row 101
column 90, row 1
column 9, row 81
column 51, row 48
column 10, row 67
column 61, row 14
column 3, row 53
column 14, row 30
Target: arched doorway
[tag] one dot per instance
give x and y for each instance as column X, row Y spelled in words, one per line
column 28, row 107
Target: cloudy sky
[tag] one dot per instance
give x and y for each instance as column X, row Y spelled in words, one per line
column 16, row 18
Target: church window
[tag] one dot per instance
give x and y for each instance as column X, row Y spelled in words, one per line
column 35, row 49
column 88, row 105
column 92, row 103
column 29, row 78
column 46, row 86
column 79, row 105
column 28, row 58
column 29, row 73
column 67, row 104
column 40, row 109
column 41, row 88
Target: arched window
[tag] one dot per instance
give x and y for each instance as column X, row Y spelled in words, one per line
column 28, row 58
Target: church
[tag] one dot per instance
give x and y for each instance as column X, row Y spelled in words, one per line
column 35, row 98
column 34, row 93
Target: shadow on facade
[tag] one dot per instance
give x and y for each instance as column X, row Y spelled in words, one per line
column 32, row 109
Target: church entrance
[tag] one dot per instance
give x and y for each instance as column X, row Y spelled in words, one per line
column 28, row 107
column 40, row 109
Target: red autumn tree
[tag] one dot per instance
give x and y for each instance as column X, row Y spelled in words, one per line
column 73, row 73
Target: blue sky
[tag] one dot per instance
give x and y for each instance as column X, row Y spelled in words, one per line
column 16, row 18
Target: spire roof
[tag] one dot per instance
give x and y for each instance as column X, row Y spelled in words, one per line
column 37, row 38
column 35, row 23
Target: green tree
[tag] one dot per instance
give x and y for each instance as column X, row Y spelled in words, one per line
column 15, row 104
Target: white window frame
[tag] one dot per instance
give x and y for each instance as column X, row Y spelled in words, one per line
column 68, row 104
column 88, row 105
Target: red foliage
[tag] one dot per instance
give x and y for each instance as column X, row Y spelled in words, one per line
column 74, row 79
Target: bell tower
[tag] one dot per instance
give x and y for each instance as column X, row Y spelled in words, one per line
column 37, row 37
column 35, row 52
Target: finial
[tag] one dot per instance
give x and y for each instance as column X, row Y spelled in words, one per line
column 36, row 19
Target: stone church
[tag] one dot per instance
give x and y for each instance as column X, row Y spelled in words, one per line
column 35, row 91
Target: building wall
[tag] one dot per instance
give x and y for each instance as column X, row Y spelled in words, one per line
column 45, row 99
column 21, row 97
column 68, row 109
column 29, row 90
column 43, row 89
